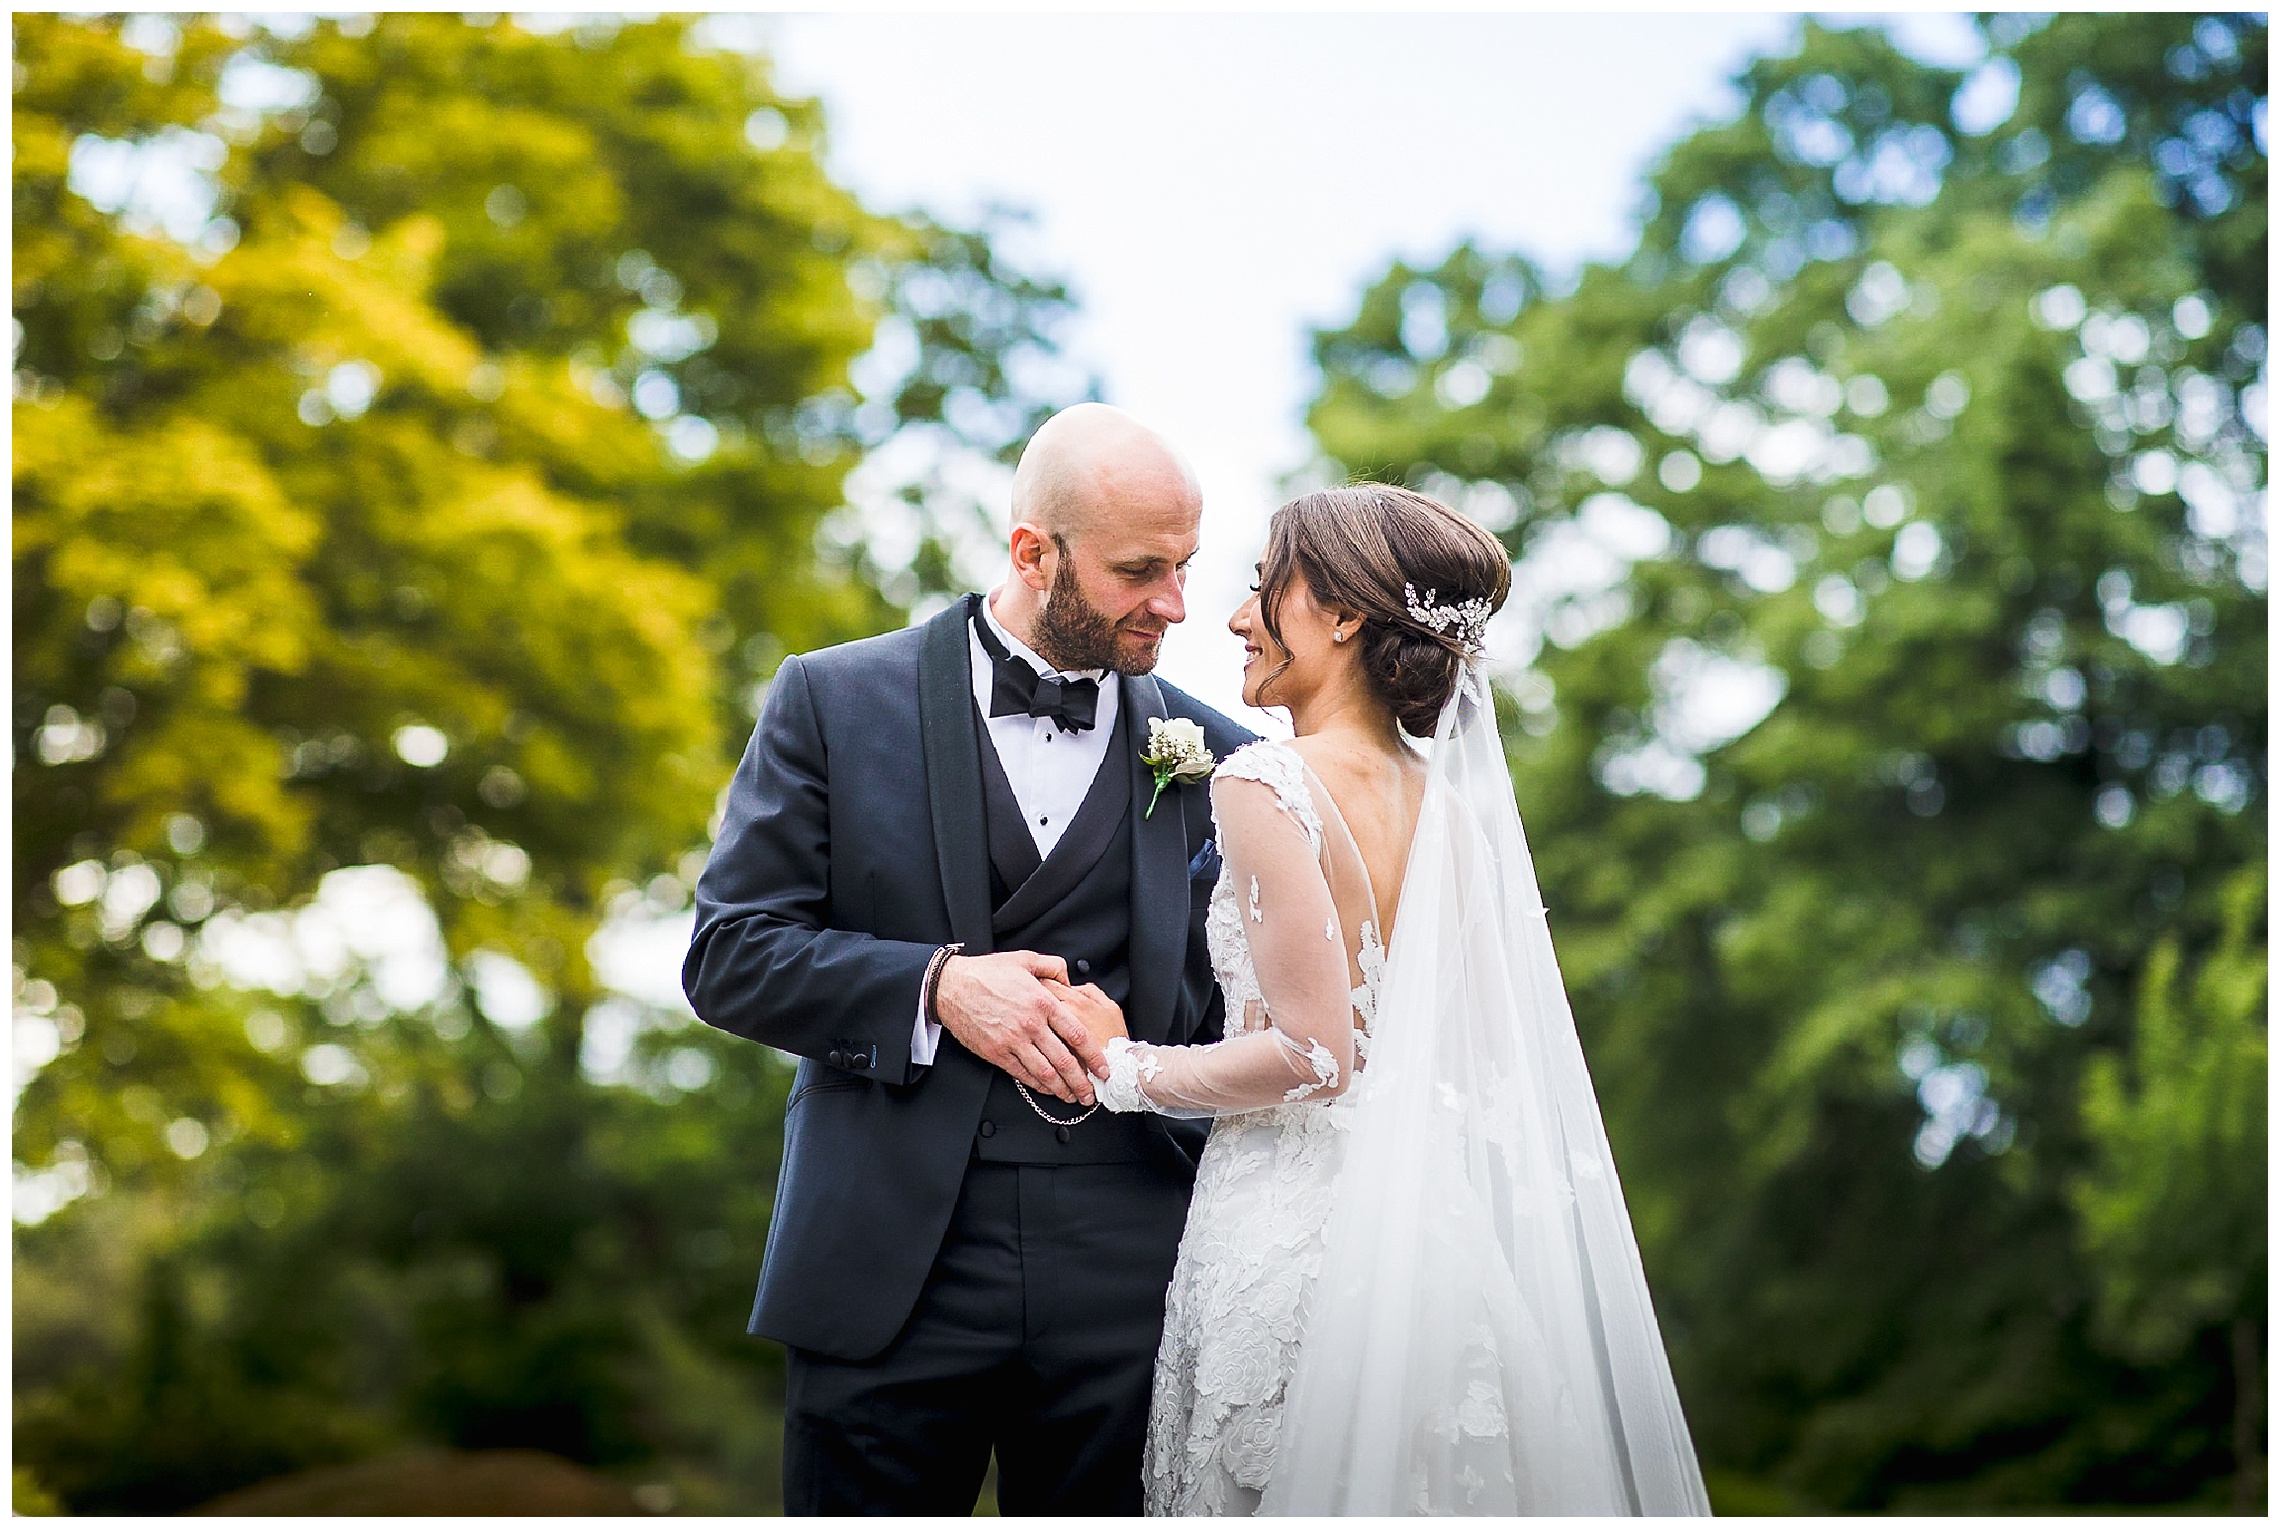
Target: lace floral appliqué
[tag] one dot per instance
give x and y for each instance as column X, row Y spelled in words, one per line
column 1237, row 1302
column 1325, row 1073
column 1128, row 1068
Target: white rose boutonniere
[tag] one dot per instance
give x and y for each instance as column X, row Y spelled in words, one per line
column 1177, row 753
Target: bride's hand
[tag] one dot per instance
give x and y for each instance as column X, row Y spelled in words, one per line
column 1102, row 1016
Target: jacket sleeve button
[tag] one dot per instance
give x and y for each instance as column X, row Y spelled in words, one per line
column 837, row 1058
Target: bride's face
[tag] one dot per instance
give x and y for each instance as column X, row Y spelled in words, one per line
column 1310, row 659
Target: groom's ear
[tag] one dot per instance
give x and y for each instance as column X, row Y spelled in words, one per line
column 1029, row 545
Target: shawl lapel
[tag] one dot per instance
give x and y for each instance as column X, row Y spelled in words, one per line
column 954, row 774
column 1159, row 878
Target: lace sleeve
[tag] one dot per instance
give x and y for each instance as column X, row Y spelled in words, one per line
column 1272, row 840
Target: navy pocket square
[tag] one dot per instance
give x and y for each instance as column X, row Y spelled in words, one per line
column 1205, row 865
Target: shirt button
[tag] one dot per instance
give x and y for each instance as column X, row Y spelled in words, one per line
column 1041, row 822
column 989, row 1128
column 1062, row 1134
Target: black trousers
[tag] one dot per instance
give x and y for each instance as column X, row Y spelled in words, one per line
column 1035, row 1336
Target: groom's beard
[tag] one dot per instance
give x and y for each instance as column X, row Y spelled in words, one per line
column 1073, row 634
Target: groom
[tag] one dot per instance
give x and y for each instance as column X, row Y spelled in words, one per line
column 932, row 834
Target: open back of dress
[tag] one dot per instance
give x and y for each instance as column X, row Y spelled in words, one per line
column 1478, row 1336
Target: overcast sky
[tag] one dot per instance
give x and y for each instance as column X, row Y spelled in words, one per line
column 1210, row 186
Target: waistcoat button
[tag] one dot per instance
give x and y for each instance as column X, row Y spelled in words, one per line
column 1061, row 1133
column 1084, row 968
column 989, row 1128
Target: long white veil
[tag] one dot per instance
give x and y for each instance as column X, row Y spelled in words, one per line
column 1479, row 1338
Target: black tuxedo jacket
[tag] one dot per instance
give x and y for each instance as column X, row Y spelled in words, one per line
column 852, row 846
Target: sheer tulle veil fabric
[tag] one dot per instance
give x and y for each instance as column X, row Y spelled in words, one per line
column 1480, row 1338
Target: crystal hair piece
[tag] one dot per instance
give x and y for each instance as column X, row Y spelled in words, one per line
column 1465, row 624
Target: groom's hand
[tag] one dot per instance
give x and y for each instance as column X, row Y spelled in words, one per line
column 1002, row 1009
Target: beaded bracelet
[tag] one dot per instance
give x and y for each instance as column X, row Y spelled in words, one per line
column 933, row 979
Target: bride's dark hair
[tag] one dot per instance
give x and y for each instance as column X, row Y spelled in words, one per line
column 1361, row 549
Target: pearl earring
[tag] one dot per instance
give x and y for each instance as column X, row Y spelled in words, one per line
column 1337, row 636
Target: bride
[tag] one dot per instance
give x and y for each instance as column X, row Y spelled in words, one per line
column 1408, row 1282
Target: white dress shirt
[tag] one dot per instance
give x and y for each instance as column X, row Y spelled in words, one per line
column 1050, row 770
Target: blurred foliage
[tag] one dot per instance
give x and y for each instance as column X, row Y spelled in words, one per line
column 31, row 1500
column 1893, row 525
column 429, row 436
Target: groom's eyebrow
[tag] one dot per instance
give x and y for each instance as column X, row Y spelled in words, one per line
column 1150, row 564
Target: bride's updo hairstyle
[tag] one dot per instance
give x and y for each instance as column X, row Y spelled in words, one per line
column 1361, row 549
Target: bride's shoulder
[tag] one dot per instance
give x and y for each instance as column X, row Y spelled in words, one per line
column 1278, row 767
column 1266, row 760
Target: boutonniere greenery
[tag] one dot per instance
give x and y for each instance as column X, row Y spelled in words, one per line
column 1177, row 753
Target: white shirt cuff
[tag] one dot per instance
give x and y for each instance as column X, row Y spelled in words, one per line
column 925, row 1035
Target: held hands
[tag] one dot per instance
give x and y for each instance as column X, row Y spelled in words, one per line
column 1016, row 1011
column 1103, row 1019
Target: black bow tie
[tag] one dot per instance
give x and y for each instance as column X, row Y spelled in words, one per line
column 1019, row 691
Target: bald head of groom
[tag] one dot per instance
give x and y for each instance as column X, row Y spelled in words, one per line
column 1105, row 520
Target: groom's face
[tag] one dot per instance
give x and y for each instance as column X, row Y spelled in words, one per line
column 1111, row 600
column 1116, row 590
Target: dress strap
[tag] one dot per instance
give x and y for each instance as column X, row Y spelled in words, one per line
column 1277, row 765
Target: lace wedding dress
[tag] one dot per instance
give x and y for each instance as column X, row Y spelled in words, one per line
column 1408, row 1282
column 1293, row 933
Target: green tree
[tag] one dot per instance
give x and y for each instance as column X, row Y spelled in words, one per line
column 2173, row 1210
column 1892, row 564
column 429, row 435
